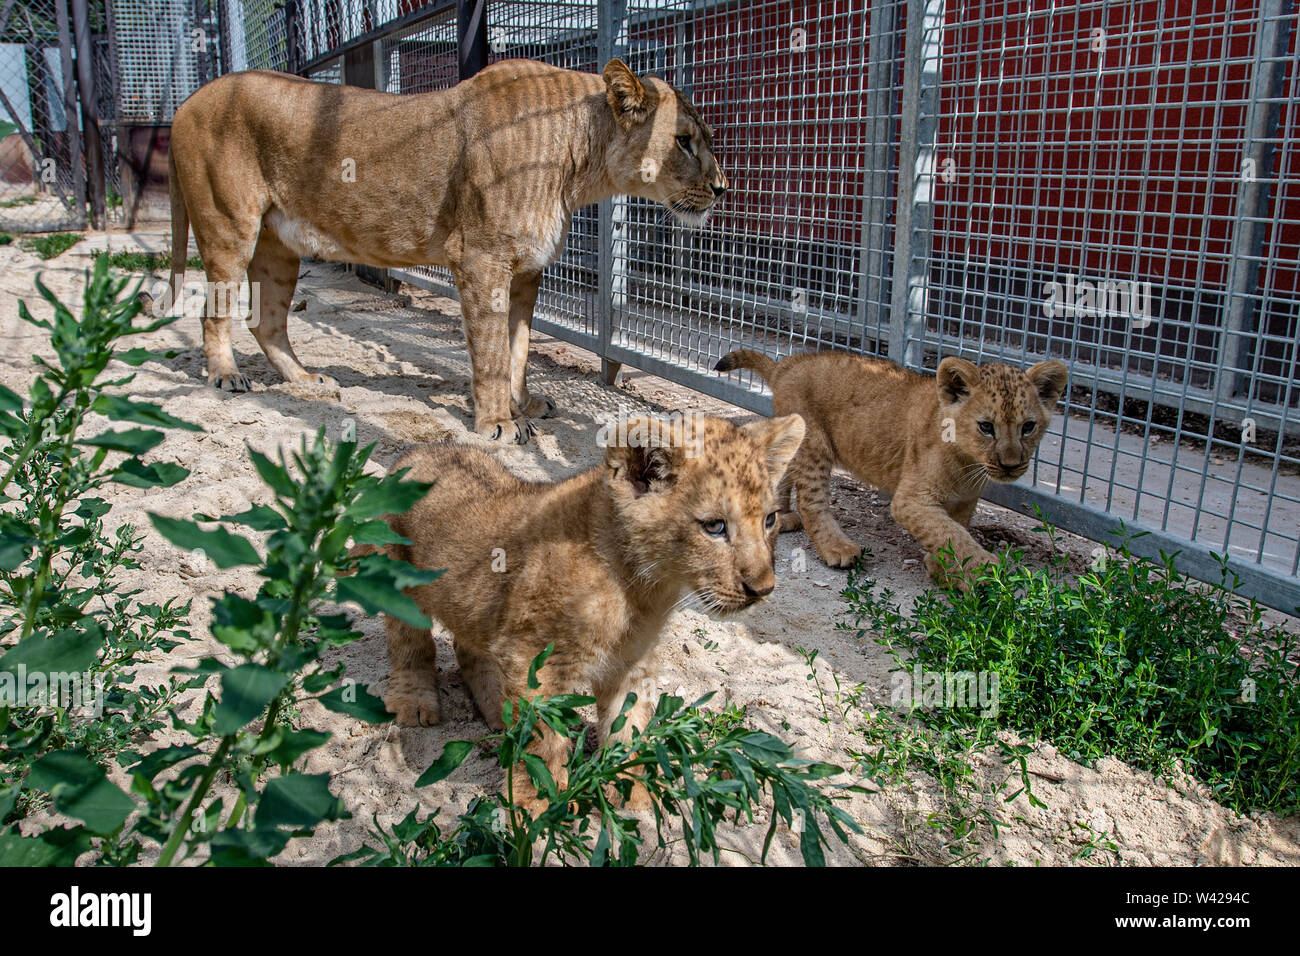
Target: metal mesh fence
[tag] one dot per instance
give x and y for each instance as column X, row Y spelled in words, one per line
column 1112, row 183
column 41, row 174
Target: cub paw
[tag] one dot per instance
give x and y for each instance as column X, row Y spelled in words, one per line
column 839, row 553
column 514, row 431
column 413, row 704
column 230, row 382
column 318, row 378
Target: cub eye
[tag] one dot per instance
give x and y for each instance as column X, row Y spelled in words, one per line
column 1028, row 428
column 684, row 141
column 986, row 428
column 715, row 528
column 770, row 521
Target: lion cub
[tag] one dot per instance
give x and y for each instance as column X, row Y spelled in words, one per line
column 931, row 441
column 685, row 506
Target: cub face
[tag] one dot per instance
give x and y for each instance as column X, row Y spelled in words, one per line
column 999, row 412
column 697, row 499
column 663, row 149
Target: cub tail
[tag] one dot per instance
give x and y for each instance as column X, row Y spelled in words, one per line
column 745, row 358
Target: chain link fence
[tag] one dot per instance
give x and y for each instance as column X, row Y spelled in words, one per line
column 1111, row 183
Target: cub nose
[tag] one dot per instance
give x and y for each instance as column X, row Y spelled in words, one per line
column 759, row 590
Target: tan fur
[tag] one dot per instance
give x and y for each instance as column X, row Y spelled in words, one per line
column 914, row 436
column 594, row 564
column 482, row 178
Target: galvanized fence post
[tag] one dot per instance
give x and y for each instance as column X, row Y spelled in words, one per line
column 913, row 221
column 611, row 224
column 1253, row 199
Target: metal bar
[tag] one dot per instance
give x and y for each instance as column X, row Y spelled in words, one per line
column 472, row 37
column 93, row 141
column 1267, row 78
column 69, row 83
column 925, row 19
column 611, row 214
column 876, row 234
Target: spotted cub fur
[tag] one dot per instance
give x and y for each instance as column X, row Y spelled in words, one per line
column 682, row 508
column 932, row 441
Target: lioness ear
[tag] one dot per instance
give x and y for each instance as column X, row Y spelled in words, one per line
column 646, row 452
column 781, row 437
column 1049, row 378
column 955, row 380
column 624, row 93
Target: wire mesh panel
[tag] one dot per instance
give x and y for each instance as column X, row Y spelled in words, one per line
column 563, row 34
column 1109, row 186
column 163, row 48
column 41, row 172
column 804, row 100
column 257, row 34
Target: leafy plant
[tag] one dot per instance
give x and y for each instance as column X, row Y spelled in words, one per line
column 149, row 262
column 51, row 245
column 692, row 767
column 1130, row 660
column 66, row 628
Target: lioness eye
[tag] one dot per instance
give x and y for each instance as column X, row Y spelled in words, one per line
column 684, row 141
column 715, row 528
column 987, row 428
column 770, row 521
column 1028, row 428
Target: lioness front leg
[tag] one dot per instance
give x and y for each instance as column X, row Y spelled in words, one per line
column 412, row 695
column 484, row 288
column 927, row 521
column 523, row 299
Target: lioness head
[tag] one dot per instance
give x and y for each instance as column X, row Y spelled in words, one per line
column 697, row 499
column 662, row 148
column 999, row 412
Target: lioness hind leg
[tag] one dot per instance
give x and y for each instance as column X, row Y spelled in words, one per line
column 412, row 694
column 484, row 290
column 273, row 273
column 523, row 299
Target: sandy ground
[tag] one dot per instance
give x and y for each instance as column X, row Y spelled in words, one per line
column 402, row 370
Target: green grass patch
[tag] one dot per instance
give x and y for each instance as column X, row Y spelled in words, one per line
column 132, row 261
column 51, row 245
column 5, row 239
column 1129, row 660
column 17, row 201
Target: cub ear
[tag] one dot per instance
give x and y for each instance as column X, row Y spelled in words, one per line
column 1049, row 378
column 955, row 380
column 625, row 94
column 646, row 452
column 781, row 437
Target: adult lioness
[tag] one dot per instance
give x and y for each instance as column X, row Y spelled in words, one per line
column 483, row 178
column 933, row 441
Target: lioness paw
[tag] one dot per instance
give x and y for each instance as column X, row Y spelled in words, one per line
column 230, row 382
column 538, row 406
column 514, row 431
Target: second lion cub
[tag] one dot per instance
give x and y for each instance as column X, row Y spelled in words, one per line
column 594, row 565
column 931, row 441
